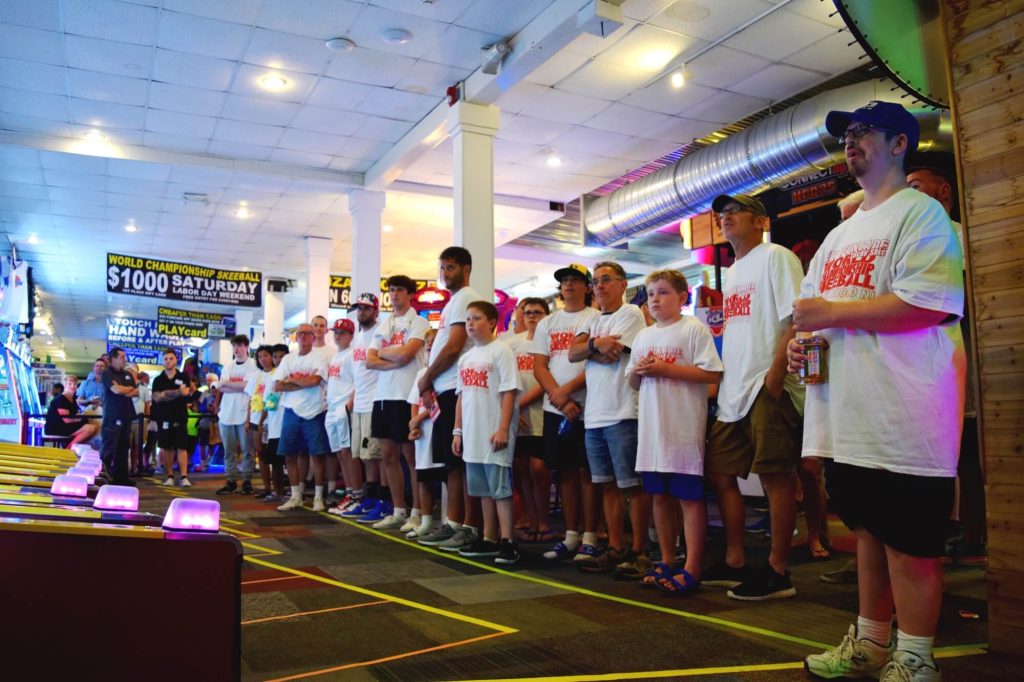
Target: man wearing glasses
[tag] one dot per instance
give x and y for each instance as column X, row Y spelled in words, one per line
column 886, row 291
column 759, row 426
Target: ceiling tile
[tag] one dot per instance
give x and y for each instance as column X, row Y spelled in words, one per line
column 38, row 104
column 185, row 125
column 237, row 11
column 364, row 65
column 763, row 37
column 565, row 107
column 106, row 87
column 706, row 19
column 649, row 49
column 311, row 18
column 208, row 37
column 382, row 129
column 723, row 67
column 644, row 9
column 778, row 82
column 833, row 55
column 354, row 148
column 725, row 107
column 604, row 80
column 332, row 121
column 589, row 140
column 31, row 44
column 74, row 163
column 69, row 180
column 248, row 133
column 660, row 96
column 314, row 143
column 338, row 94
column 106, row 114
column 283, row 51
column 398, row 104
column 679, row 130
column 505, row 19
column 824, row 12
column 18, row 157
column 459, row 47
column 249, row 78
column 521, row 95
column 622, row 119
column 31, row 124
column 372, row 21
column 259, row 110
column 529, row 129
column 192, row 70
column 60, row 195
column 591, row 45
column 42, row 14
column 240, row 150
column 15, row 73
column 188, row 100
column 445, row 12
column 108, row 56
column 110, row 20
column 557, row 67
column 138, row 170
column 175, row 142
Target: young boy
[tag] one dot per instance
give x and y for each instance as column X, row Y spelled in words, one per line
column 428, row 471
column 672, row 364
column 257, row 391
column 488, row 385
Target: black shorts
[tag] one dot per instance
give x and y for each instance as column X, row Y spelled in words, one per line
column 432, row 475
column 441, row 436
column 268, row 454
column 906, row 512
column 560, row 452
column 172, row 435
column 530, row 446
column 390, row 420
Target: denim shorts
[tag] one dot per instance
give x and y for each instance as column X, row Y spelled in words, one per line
column 488, row 480
column 611, row 452
column 303, row 436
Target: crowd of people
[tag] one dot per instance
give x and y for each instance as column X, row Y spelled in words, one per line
column 614, row 401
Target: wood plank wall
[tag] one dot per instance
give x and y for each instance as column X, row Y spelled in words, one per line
column 986, row 45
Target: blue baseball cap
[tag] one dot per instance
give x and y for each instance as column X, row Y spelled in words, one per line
column 887, row 115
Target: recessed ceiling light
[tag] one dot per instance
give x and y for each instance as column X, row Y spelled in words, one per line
column 274, row 82
column 243, row 211
column 130, row 227
column 388, row 228
column 32, row 239
column 95, row 136
column 120, row 313
column 554, row 161
column 340, row 45
column 678, row 78
column 396, row 36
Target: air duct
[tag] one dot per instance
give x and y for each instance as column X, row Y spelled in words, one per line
column 773, row 151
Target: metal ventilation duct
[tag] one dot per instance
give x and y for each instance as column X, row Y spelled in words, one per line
column 773, row 151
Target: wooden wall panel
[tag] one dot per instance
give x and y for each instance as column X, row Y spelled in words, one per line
column 986, row 48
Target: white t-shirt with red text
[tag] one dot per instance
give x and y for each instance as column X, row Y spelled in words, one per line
column 533, row 415
column 398, row 330
column 485, row 372
column 305, row 402
column 424, row 449
column 340, row 383
column 895, row 398
column 365, row 380
column 553, row 337
column 610, row 398
column 673, row 413
column 234, row 404
column 758, row 299
column 454, row 313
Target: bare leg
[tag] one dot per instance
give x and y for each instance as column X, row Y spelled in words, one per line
column 294, row 475
column 570, row 479
column 639, row 517
column 813, row 484
column 474, row 511
column 456, row 499
column 409, row 453
column 540, row 478
column 393, row 466
column 614, row 515
column 183, row 463
column 505, row 517
column 490, row 513
column 781, row 491
column 85, row 433
column 695, row 531
column 303, row 467
column 167, row 458
column 426, row 499
column 354, row 472
column 373, row 471
column 591, row 504
column 730, row 504
column 331, row 462
column 318, row 466
column 917, row 591
column 874, row 588
column 524, row 486
column 665, row 525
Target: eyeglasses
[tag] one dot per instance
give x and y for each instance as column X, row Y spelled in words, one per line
column 533, row 313
column 857, row 132
column 606, row 280
column 733, row 210
column 303, row 333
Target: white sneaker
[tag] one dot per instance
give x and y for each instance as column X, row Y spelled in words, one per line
column 169, row 482
column 185, row 483
column 318, row 504
column 411, row 524
column 852, row 658
column 909, row 667
column 293, row 502
column 390, row 522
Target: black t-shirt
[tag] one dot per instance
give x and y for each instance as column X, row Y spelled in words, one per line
column 117, row 406
column 55, row 424
column 175, row 410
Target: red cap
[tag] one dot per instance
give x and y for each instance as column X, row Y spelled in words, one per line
column 344, row 325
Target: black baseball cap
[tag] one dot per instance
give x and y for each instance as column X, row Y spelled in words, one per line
column 744, row 200
column 574, row 269
column 887, row 115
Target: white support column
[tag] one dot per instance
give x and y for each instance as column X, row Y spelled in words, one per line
column 273, row 315
column 366, row 209
column 473, row 127
column 318, row 276
column 243, row 322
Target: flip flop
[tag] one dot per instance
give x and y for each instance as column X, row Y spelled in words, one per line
column 819, row 552
column 678, row 584
column 651, row 578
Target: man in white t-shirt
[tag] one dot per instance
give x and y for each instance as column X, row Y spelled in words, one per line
column 886, row 291
column 301, row 379
column 438, row 384
column 365, row 450
column 340, row 387
column 610, row 417
column 232, row 409
column 565, row 393
column 320, row 342
column 395, row 354
column 759, row 424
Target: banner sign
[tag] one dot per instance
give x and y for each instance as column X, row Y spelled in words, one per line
column 140, row 339
column 154, row 278
column 341, row 292
column 190, row 324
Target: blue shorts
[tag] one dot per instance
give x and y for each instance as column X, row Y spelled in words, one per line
column 488, row 480
column 689, row 487
column 611, row 452
column 303, row 436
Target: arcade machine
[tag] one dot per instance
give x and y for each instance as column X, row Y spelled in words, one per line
column 429, row 302
column 506, row 306
column 18, row 393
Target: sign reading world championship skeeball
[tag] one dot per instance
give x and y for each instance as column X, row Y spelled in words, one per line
column 192, row 324
column 170, row 280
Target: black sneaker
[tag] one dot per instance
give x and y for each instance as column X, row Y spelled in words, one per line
column 721, row 574
column 603, row 561
column 247, row 487
column 480, row 547
column 508, row 552
column 229, row 488
column 764, row 584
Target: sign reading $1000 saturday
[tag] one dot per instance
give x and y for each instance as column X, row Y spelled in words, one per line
column 174, row 281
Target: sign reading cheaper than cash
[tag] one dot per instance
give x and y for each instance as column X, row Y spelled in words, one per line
column 341, row 292
column 175, row 281
column 192, row 324
column 140, row 339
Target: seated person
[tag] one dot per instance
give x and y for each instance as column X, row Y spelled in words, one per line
column 62, row 419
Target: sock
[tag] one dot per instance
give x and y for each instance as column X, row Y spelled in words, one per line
column 920, row 646
column 385, row 493
column 331, row 486
column 652, row 534
column 572, row 539
column 589, row 538
column 416, row 514
column 296, row 491
column 302, row 489
column 426, row 523
column 454, row 524
column 358, row 494
column 373, row 490
column 400, row 513
column 471, row 528
column 875, row 630
column 320, row 492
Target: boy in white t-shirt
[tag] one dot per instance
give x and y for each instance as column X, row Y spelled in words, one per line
column 672, row 364
column 271, row 420
column 231, row 409
column 340, row 388
column 486, row 421
column 428, row 471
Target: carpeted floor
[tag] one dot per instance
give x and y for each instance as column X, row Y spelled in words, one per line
column 327, row 599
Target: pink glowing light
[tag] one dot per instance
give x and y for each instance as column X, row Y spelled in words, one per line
column 192, row 514
column 117, row 498
column 85, row 472
column 70, row 485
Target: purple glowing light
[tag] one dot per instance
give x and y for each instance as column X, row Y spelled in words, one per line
column 192, row 514
column 85, row 472
column 117, row 498
column 70, row 485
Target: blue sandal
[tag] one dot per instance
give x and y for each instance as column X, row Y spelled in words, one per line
column 678, row 583
column 651, row 578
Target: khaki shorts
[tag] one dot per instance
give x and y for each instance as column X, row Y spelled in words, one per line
column 364, row 446
column 765, row 441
